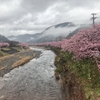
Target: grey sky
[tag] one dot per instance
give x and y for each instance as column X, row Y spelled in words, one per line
column 33, row 16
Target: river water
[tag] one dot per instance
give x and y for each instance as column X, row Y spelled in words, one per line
column 32, row 81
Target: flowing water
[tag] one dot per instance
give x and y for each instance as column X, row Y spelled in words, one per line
column 32, row 81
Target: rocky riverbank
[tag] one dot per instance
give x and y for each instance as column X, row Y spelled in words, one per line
column 7, row 63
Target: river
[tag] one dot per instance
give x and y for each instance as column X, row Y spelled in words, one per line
column 32, row 81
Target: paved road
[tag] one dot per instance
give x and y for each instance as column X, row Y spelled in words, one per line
column 33, row 81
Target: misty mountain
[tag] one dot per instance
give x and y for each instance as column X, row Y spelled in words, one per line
column 24, row 38
column 3, row 38
column 52, row 33
column 62, row 29
column 77, row 30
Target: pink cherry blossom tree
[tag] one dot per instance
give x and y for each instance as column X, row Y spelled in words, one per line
column 84, row 44
column 23, row 45
column 4, row 44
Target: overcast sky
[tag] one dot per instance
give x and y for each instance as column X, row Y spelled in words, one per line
column 33, row 16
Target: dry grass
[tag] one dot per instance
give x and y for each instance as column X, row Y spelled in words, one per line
column 21, row 62
column 2, row 68
column 2, row 54
column 6, row 48
column 5, row 57
column 57, row 75
column 17, row 48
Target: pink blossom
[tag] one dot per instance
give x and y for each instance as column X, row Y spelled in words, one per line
column 4, row 44
column 86, row 43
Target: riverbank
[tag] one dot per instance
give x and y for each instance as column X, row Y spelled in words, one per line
column 80, row 79
column 5, row 51
column 9, row 62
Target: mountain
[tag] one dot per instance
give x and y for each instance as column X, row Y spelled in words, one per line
column 68, row 24
column 3, row 38
column 52, row 33
column 77, row 30
column 24, row 38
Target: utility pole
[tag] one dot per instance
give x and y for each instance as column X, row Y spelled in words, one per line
column 93, row 18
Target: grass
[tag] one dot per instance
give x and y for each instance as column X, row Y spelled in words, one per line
column 87, row 71
column 17, row 48
column 5, row 48
column 3, row 54
column 21, row 62
column 2, row 68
